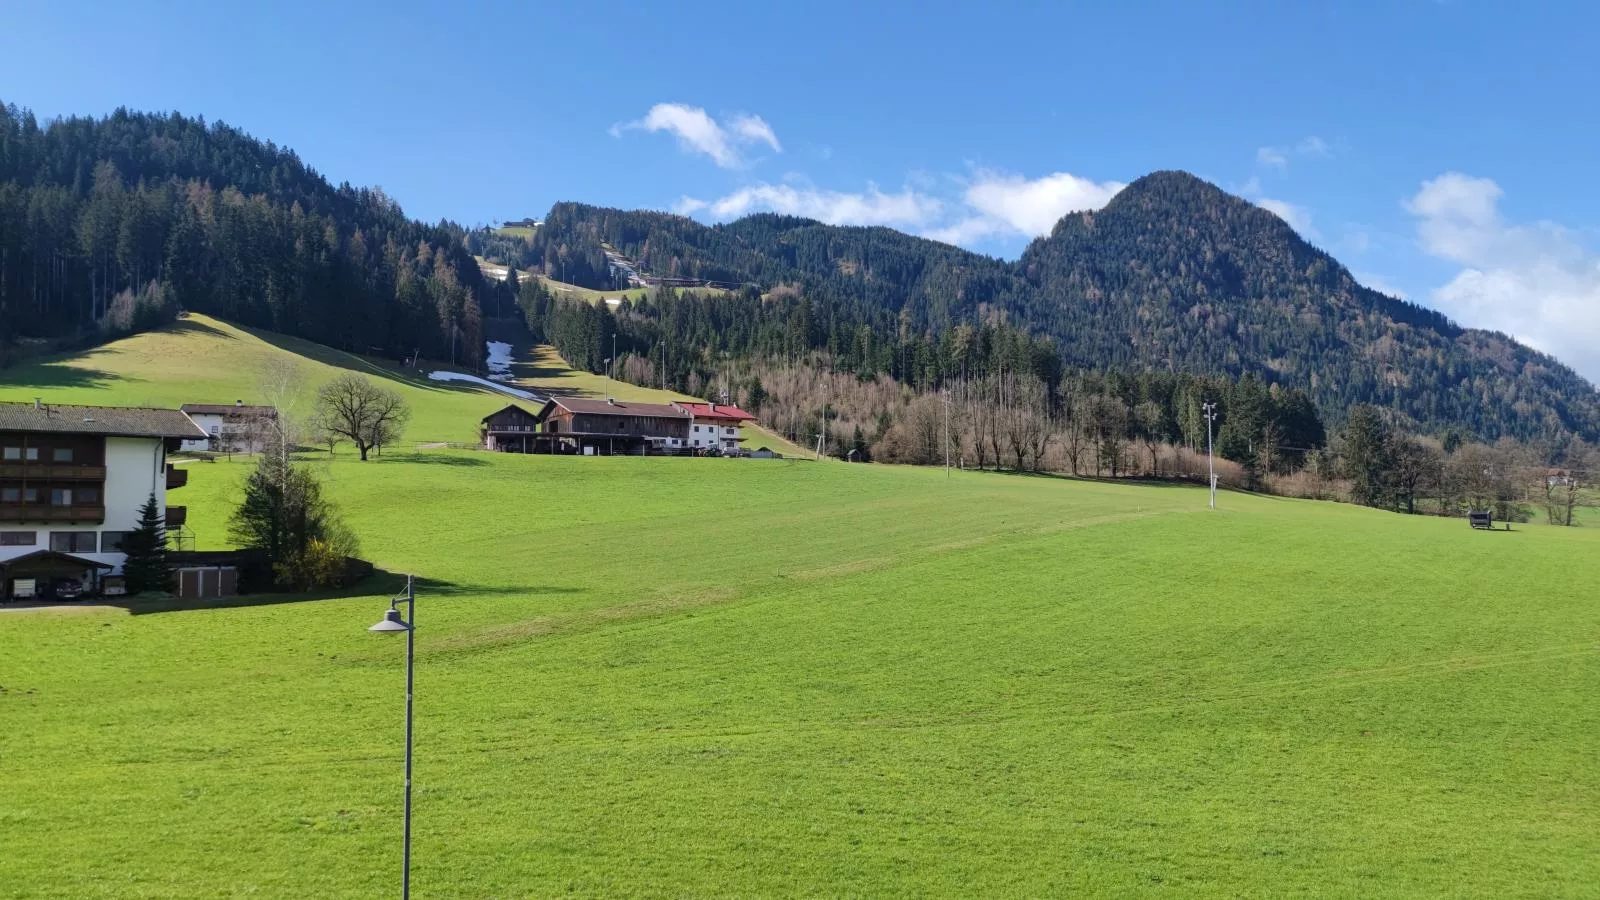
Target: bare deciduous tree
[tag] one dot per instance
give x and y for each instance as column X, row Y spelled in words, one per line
column 361, row 411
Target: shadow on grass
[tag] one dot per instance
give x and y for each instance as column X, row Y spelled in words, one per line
column 380, row 583
column 432, row 459
column 1136, row 481
column 45, row 375
column 374, row 366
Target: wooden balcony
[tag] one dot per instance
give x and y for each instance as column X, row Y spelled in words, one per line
column 176, row 477
column 39, row 471
column 177, row 516
column 43, row 512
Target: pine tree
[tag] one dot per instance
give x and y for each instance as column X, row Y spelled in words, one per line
column 146, row 567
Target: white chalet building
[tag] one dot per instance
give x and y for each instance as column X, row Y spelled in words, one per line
column 714, row 425
column 229, row 429
column 72, row 482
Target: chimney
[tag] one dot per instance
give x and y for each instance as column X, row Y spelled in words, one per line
column 238, row 403
column 37, row 404
column 610, row 401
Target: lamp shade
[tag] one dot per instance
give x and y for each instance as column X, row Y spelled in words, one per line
column 391, row 622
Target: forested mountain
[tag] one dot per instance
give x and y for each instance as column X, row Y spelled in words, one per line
column 110, row 225
column 1174, row 274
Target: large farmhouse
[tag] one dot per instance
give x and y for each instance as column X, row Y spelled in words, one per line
column 606, row 427
column 72, row 482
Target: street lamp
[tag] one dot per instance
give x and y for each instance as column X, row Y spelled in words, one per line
column 393, row 622
column 1211, row 468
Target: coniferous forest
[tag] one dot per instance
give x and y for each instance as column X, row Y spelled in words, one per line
column 113, row 225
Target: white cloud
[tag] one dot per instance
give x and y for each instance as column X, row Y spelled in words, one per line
column 698, row 132
column 1278, row 157
column 1004, row 204
column 1314, row 146
column 993, row 204
column 1033, row 207
column 1298, row 217
column 1379, row 283
column 688, row 206
column 755, row 130
column 1537, row 282
column 908, row 208
column 1272, row 157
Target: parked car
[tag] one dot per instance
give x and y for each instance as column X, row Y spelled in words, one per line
column 68, row 589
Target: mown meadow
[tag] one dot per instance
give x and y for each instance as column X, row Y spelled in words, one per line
column 707, row 677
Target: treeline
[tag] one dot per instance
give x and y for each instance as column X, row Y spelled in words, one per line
column 1015, row 398
column 1388, row 468
column 688, row 337
column 114, row 224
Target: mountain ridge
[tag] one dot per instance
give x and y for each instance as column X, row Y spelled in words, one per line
column 1173, row 273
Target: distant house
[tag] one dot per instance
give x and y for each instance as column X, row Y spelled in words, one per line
column 230, row 429
column 605, row 427
column 715, row 425
column 72, row 482
column 512, row 430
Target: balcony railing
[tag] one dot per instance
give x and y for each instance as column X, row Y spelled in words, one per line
column 39, row 512
column 177, row 516
column 176, row 477
column 55, row 471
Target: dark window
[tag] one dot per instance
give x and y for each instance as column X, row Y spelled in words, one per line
column 30, row 495
column 61, row 454
column 111, row 541
column 61, row 496
column 87, row 495
column 18, row 538
column 10, row 495
column 73, row 541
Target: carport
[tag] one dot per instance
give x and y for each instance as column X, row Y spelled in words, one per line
column 34, row 575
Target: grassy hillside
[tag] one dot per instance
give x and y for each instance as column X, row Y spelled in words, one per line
column 204, row 360
column 708, row 677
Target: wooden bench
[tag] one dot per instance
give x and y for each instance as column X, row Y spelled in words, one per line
column 1481, row 520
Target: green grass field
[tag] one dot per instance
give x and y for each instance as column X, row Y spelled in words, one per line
column 704, row 677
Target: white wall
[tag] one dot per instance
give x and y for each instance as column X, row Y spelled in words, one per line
column 134, row 468
column 211, row 422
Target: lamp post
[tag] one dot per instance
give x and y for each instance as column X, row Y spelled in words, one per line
column 393, row 622
column 1211, row 468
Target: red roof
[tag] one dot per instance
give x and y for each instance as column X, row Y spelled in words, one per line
column 716, row 411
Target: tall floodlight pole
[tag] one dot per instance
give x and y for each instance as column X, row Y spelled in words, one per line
column 1211, row 468
column 394, row 622
column 946, row 393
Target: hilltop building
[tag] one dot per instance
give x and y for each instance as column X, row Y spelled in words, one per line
column 72, row 482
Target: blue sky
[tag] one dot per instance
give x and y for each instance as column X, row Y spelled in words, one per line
column 1442, row 150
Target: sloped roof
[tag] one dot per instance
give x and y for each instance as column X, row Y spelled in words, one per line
column 230, row 409
column 119, row 421
column 55, row 554
column 716, row 411
column 510, row 407
column 619, row 408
